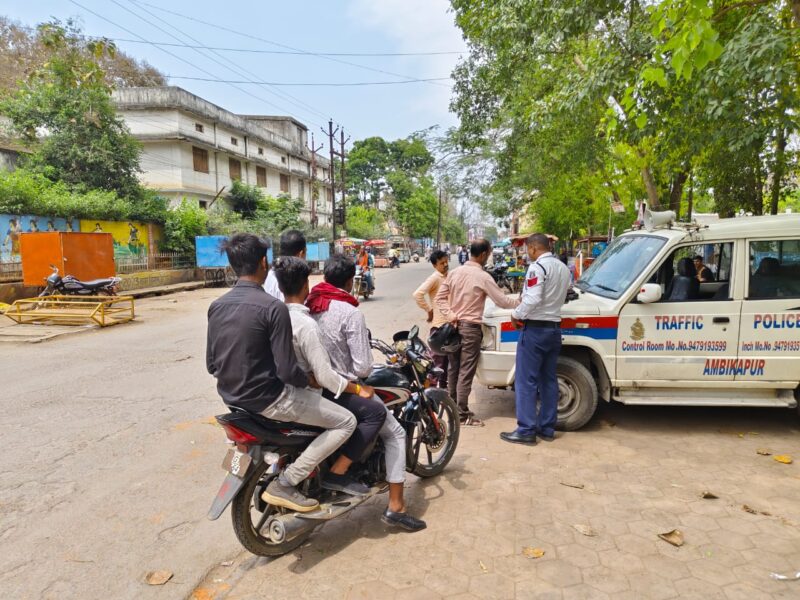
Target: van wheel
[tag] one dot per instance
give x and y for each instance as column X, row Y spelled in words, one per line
column 577, row 394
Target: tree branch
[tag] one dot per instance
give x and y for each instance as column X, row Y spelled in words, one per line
column 743, row 4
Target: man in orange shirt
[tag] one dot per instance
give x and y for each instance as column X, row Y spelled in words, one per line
column 461, row 300
column 366, row 273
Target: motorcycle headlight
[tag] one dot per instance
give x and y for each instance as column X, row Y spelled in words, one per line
column 489, row 341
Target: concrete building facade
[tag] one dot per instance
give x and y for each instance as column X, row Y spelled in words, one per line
column 195, row 149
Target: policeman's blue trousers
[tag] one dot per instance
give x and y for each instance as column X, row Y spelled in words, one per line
column 537, row 355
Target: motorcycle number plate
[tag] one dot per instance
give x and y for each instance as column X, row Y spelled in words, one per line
column 236, row 462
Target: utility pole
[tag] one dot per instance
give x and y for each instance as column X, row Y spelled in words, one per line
column 439, row 224
column 314, row 190
column 342, row 180
column 330, row 133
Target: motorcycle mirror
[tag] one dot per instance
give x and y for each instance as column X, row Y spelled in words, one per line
column 413, row 333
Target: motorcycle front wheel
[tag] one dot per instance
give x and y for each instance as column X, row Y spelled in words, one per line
column 249, row 513
column 433, row 442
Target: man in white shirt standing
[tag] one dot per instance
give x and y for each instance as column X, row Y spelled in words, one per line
column 430, row 287
column 292, row 243
column 539, row 317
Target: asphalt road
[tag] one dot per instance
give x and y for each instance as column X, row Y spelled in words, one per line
column 111, row 457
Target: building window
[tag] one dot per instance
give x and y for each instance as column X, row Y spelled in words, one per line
column 260, row 151
column 261, row 177
column 198, row 127
column 200, row 159
column 235, row 168
column 203, row 204
column 284, row 183
column 301, row 189
column 283, row 159
column 234, row 141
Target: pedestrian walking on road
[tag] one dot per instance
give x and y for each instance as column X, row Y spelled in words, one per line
column 539, row 317
column 293, row 243
column 463, row 255
column 461, row 298
column 430, row 287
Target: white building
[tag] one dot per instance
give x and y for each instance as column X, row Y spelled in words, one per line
column 195, row 149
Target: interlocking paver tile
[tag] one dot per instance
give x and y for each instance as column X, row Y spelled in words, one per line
column 604, row 579
column 583, row 592
column 731, row 539
column 743, row 591
column 491, row 586
column 559, row 572
column 622, row 561
column 670, row 568
column 652, row 586
column 446, row 581
column 417, row 593
column 713, row 572
column 368, row 591
column 578, row 555
column 636, row 544
column 691, row 587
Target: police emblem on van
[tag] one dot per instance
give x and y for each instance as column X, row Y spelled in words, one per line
column 637, row 331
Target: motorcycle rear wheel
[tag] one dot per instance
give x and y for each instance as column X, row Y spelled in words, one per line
column 245, row 505
column 430, row 459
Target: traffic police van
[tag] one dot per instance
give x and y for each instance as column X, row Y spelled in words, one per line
column 646, row 330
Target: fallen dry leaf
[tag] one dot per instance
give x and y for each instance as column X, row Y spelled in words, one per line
column 585, row 530
column 483, row 566
column 709, row 496
column 531, row 552
column 749, row 509
column 783, row 458
column 763, row 452
column 674, row 537
column 157, row 577
column 577, row 486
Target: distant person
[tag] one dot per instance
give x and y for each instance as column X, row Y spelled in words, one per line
column 461, row 300
column 363, row 260
column 463, row 256
column 293, row 243
column 425, row 296
column 704, row 274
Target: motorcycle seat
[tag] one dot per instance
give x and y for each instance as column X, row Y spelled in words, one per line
column 96, row 283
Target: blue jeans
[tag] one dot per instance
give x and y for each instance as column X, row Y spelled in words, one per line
column 537, row 355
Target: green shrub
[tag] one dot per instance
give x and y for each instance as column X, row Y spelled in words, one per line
column 183, row 223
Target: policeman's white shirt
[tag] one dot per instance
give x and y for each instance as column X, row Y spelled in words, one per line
column 271, row 286
column 546, row 285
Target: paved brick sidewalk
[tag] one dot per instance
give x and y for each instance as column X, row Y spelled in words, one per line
column 643, row 471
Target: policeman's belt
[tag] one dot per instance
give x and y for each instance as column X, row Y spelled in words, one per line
column 543, row 324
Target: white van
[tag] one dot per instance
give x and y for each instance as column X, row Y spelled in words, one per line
column 645, row 330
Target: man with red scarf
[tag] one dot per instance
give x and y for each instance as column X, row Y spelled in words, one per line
column 346, row 338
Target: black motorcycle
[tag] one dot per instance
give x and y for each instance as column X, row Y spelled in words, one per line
column 262, row 448
column 70, row 286
column 499, row 273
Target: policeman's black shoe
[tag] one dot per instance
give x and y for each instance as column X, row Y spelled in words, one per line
column 547, row 438
column 517, row 438
column 403, row 520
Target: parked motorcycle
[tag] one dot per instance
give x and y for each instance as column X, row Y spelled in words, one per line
column 70, row 286
column 499, row 273
column 360, row 287
column 262, row 448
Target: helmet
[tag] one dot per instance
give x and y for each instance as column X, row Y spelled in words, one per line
column 445, row 340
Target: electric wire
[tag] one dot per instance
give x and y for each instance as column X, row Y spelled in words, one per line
column 292, row 52
column 240, row 70
column 285, row 46
column 310, row 84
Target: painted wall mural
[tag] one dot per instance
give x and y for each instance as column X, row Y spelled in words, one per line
column 130, row 237
column 12, row 226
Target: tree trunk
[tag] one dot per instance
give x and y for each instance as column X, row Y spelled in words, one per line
column 652, row 190
column 777, row 173
column 691, row 199
column 676, row 193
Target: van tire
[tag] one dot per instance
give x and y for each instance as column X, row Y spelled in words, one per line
column 577, row 394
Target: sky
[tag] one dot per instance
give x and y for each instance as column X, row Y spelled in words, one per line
column 311, row 26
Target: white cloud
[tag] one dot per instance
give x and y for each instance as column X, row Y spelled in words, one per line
column 417, row 26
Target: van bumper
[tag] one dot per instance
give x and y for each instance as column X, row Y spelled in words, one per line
column 496, row 369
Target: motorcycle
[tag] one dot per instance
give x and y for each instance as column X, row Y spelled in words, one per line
column 415, row 256
column 70, row 286
column 261, row 448
column 499, row 273
column 360, row 287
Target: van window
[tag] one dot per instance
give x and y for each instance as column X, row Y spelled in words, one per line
column 696, row 272
column 774, row 269
column 621, row 263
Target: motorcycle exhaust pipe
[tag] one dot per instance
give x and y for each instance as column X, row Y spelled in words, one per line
column 285, row 528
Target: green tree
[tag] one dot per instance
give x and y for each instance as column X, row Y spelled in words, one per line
column 183, row 224
column 69, row 100
column 365, row 222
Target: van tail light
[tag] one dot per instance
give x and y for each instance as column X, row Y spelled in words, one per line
column 238, row 436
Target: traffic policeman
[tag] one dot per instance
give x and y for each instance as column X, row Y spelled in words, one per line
column 539, row 318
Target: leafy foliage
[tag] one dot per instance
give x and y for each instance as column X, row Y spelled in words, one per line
column 23, row 192
column 183, row 224
column 365, row 222
column 579, row 104
column 86, row 145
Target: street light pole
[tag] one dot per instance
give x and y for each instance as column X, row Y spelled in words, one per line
column 439, row 224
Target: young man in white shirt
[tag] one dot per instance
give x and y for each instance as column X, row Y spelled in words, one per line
column 292, row 243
